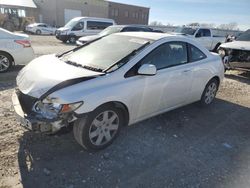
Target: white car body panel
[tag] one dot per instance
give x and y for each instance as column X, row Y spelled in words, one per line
column 183, row 84
column 238, row 45
column 20, row 54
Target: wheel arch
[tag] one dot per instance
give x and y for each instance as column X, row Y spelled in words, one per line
column 217, row 78
column 119, row 105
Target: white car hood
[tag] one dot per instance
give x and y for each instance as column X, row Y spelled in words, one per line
column 45, row 72
column 238, row 45
column 89, row 38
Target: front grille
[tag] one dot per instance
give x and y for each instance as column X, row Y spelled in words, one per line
column 26, row 101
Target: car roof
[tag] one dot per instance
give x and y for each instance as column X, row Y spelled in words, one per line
column 123, row 26
column 92, row 18
column 147, row 35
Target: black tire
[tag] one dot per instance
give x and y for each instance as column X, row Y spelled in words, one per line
column 72, row 39
column 83, row 127
column 209, row 92
column 216, row 47
column 7, row 60
column 38, row 32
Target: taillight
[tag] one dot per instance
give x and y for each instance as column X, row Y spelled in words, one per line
column 24, row 43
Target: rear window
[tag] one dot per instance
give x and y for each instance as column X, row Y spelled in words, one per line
column 95, row 25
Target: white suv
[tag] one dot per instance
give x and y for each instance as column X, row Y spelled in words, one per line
column 117, row 80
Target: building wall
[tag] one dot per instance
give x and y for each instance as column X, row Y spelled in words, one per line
column 128, row 14
column 52, row 11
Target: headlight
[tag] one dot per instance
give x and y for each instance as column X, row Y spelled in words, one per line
column 70, row 107
column 222, row 52
column 52, row 110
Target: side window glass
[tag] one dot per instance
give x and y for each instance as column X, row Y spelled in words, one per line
column 79, row 26
column 196, row 54
column 167, row 55
column 94, row 25
column 206, row 33
column 199, row 34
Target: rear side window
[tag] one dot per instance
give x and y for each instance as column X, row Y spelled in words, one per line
column 95, row 25
column 195, row 54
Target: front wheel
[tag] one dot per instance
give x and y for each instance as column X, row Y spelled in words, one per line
column 99, row 129
column 209, row 92
column 72, row 39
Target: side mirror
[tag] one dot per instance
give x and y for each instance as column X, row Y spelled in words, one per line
column 147, row 70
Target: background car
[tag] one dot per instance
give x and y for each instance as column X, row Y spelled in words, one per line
column 82, row 26
column 15, row 49
column 236, row 54
column 116, row 29
column 204, row 36
column 40, row 29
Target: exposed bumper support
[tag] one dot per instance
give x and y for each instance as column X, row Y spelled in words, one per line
column 33, row 123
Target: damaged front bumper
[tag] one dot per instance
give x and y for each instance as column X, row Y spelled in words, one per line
column 236, row 59
column 36, row 123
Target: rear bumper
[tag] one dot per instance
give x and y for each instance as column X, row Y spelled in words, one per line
column 33, row 123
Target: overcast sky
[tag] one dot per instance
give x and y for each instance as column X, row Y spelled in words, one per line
column 179, row 12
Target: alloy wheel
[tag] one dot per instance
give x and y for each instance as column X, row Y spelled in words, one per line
column 4, row 63
column 104, row 128
column 210, row 93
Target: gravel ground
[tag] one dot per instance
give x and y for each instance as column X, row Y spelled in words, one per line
column 187, row 147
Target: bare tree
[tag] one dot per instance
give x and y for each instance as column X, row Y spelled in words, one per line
column 229, row 26
column 156, row 23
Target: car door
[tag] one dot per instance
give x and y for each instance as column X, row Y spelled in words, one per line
column 78, row 29
column 170, row 86
column 203, row 36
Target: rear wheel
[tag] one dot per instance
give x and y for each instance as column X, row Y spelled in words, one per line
column 209, row 92
column 5, row 62
column 100, row 128
column 38, row 32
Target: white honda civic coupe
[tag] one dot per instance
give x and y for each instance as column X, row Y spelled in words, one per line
column 114, row 81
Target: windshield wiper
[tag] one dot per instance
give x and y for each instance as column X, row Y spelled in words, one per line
column 84, row 66
column 127, row 58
